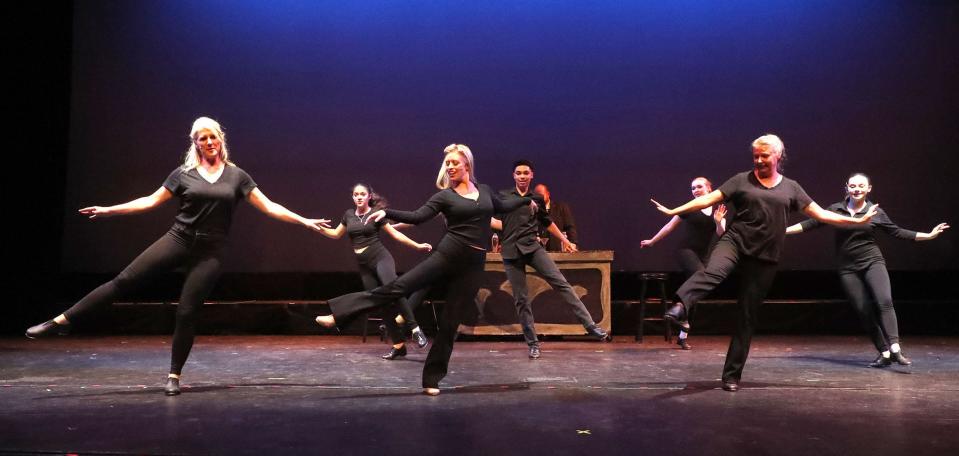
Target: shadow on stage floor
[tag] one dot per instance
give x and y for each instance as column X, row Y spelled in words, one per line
column 328, row 394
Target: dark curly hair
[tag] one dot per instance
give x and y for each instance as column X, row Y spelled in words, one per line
column 377, row 201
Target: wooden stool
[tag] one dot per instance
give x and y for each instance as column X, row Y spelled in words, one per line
column 660, row 279
column 366, row 323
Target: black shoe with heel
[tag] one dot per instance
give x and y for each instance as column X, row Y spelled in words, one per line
column 420, row 339
column 599, row 334
column 676, row 314
column 48, row 328
column 881, row 362
column 395, row 353
column 901, row 359
column 172, row 387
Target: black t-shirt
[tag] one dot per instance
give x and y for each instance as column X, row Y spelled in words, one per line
column 759, row 226
column 467, row 221
column 856, row 247
column 361, row 234
column 698, row 233
column 520, row 226
column 206, row 207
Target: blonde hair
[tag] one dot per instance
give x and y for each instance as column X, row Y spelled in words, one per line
column 192, row 158
column 443, row 179
column 772, row 141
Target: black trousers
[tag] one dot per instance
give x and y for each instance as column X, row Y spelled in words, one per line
column 539, row 260
column 377, row 268
column 756, row 276
column 690, row 262
column 869, row 291
column 197, row 253
column 460, row 266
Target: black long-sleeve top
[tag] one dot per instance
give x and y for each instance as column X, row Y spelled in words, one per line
column 520, row 226
column 467, row 221
column 856, row 247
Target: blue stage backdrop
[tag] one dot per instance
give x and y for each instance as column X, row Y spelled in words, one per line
column 615, row 102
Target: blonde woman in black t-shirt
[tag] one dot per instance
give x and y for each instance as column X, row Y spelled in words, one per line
column 208, row 186
column 862, row 268
column 700, row 229
column 377, row 266
column 752, row 243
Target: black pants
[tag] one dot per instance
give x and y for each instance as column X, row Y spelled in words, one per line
column 756, row 276
column 460, row 266
column 198, row 253
column 869, row 291
column 690, row 262
column 515, row 269
column 377, row 268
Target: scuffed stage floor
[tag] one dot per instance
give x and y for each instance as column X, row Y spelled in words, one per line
column 334, row 395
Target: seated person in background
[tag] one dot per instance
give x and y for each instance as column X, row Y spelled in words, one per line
column 562, row 216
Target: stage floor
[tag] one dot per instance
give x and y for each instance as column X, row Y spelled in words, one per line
column 334, row 395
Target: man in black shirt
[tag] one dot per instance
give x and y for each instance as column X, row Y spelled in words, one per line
column 521, row 247
column 752, row 243
column 560, row 213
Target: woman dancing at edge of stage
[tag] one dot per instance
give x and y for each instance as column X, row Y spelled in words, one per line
column 862, row 268
column 459, row 258
column 700, row 232
column 753, row 241
column 376, row 264
column 208, row 185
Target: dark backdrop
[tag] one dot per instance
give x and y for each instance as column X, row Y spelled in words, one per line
column 614, row 101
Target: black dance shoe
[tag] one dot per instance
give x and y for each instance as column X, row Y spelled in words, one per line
column 598, row 333
column 730, row 385
column 534, row 351
column 676, row 314
column 420, row 339
column 901, row 359
column 48, row 328
column 172, row 387
column 683, row 345
column 881, row 362
column 395, row 353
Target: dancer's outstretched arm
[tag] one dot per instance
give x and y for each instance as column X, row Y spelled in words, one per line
column 567, row 245
column 141, row 204
column 334, row 233
column 277, row 211
column 710, row 199
column 815, row 211
column 405, row 239
column 663, row 232
column 932, row 234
